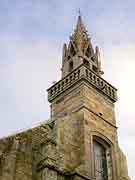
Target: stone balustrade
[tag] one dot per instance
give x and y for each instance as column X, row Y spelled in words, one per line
column 82, row 72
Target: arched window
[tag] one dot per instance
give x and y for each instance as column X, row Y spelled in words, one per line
column 72, row 51
column 70, row 66
column 100, row 161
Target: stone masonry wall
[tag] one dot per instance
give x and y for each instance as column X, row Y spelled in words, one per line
column 62, row 148
column 17, row 161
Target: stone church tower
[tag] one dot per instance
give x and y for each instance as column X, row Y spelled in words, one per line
column 80, row 141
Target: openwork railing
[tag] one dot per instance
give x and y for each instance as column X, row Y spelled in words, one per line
column 82, row 72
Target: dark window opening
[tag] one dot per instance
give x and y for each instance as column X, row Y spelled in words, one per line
column 70, row 66
column 68, row 57
column 85, row 62
column 72, row 50
column 94, row 68
column 93, row 58
column 88, row 52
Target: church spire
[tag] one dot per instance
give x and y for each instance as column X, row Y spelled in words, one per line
column 80, row 37
column 80, row 51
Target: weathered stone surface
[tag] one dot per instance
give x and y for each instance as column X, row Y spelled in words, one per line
column 83, row 112
column 17, row 153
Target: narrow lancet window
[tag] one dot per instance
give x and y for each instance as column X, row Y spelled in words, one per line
column 100, row 161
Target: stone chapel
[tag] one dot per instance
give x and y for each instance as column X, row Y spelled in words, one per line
column 79, row 141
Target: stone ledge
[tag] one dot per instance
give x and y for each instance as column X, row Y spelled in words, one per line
column 82, row 73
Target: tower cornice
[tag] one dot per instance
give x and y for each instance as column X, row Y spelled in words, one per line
column 82, row 73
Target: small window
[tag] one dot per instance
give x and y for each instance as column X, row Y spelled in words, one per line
column 85, row 62
column 100, row 161
column 70, row 66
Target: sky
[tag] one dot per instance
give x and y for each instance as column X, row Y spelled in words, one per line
column 32, row 33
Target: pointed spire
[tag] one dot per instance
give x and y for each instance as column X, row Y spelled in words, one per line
column 80, row 37
column 80, row 51
column 80, row 26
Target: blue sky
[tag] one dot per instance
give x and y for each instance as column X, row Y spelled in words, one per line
column 32, row 33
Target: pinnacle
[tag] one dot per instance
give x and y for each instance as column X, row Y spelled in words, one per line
column 80, row 26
